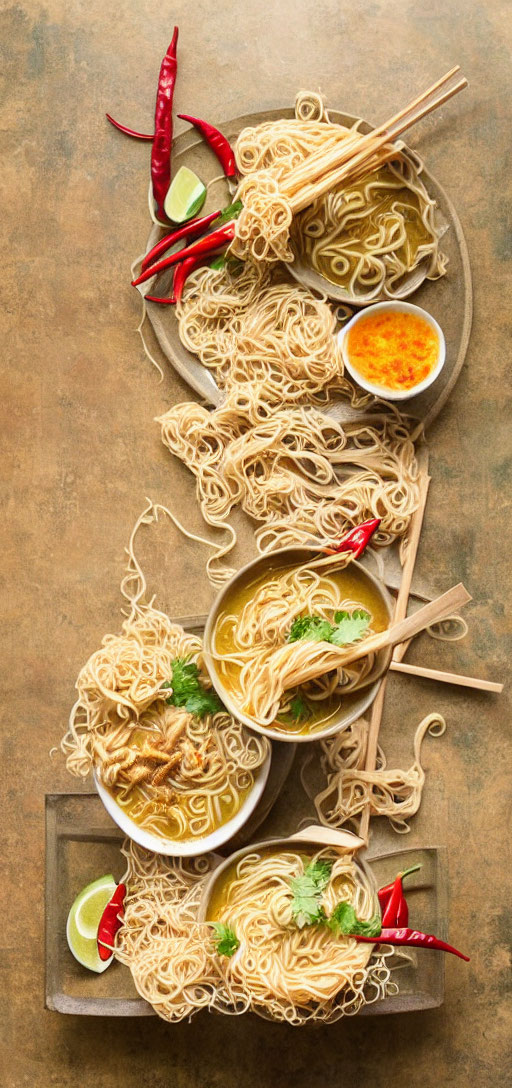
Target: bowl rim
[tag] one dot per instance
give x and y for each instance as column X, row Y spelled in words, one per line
column 314, row 834
column 383, row 391
column 335, row 727
column 187, row 847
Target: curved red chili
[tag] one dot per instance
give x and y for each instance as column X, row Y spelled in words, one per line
column 410, row 937
column 189, row 230
column 216, row 240
column 110, row 921
column 161, row 150
column 357, row 539
column 129, row 131
column 395, row 911
column 218, row 143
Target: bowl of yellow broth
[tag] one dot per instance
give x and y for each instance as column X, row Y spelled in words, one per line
column 319, row 717
column 393, row 349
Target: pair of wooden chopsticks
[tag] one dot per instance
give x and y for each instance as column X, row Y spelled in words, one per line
column 355, row 155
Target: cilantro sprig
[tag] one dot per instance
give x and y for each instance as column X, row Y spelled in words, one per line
column 307, row 892
column 348, row 627
column 188, row 690
column 225, row 939
column 344, row 921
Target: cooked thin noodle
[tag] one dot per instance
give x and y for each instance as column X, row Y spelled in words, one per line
column 392, row 793
column 280, row 972
column 177, row 774
column 366, row 236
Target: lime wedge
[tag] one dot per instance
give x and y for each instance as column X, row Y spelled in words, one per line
column 186, row 195
column 84, row 919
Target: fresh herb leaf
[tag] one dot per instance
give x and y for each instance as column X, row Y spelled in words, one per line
column 350, row 627
column 218, row 263
column 343, row 921
column 307, row 892
column 226, row 940
column 188, row 690
column 231, row 212
column 313, row 628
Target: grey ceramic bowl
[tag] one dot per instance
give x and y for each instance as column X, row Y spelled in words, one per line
column 360, row 700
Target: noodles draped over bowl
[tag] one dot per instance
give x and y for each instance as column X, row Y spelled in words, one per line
column 366, row 236
column 280, row 971
column 159, row 739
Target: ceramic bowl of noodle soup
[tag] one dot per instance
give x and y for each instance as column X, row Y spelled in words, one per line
column 286, row 966
column 251, row 652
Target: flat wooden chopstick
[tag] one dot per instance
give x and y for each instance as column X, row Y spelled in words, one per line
column 446, row 677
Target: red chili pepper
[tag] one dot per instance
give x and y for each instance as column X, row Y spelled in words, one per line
column 218, row 143
column 130, row 131
column 189, row 230
column 181, row 273
column 216, row 240
column 393, row 903
column 110, row 921
column 356, row 540
column 163, row 301
column 410, row 937
column 396, row 911
column 161, row 150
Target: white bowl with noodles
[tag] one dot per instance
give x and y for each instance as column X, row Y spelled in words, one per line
column 181, row 848
column 385, row 391
column 353, row 704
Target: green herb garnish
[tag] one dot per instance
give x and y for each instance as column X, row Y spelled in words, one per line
column 343, row 921
column 231, row 212
column 313, row 628
column 226, row 940
column 188, row 690
column 348, row 627
column 307, row 893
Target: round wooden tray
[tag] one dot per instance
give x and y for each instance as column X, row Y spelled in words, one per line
column 449, row 299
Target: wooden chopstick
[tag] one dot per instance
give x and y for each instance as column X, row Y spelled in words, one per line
column 446, row 677
column 413, row 538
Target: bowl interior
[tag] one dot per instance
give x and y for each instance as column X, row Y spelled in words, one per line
column 354, row 703
column 316, row 838
column 384, row 391
column 161, row 844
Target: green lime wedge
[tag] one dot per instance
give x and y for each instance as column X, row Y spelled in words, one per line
column 84, row 919
column 185, row 197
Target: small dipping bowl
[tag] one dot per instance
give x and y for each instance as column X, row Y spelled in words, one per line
column 181, row 848
column 357, row 701
column 316, row 836
column 384, row 390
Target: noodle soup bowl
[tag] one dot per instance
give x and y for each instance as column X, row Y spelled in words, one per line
column 384, row 391
column 310, row 840
column 162, row 844
column 352, row 705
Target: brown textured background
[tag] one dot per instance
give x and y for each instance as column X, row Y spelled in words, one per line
column 80, row 452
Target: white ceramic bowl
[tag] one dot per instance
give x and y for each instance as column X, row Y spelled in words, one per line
column 182, row 848
column 362, row 697
column 382, row 390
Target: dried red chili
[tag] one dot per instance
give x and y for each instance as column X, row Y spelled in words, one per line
column 218, row 143
column 110, row 921
column 130, row 131
column 161, row 150
column 216, row 240
column 410, row 937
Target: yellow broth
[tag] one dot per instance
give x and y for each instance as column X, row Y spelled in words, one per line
column 157, row 822
column 220, row 893
column 353, row 585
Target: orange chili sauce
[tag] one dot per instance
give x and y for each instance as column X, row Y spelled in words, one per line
column 393, row 349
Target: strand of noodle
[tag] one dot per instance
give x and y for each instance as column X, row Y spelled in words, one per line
column 392, row 793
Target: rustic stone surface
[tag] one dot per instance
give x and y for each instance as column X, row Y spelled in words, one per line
column 81, row 452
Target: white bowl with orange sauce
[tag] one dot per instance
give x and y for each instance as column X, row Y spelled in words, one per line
column 389, row 356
